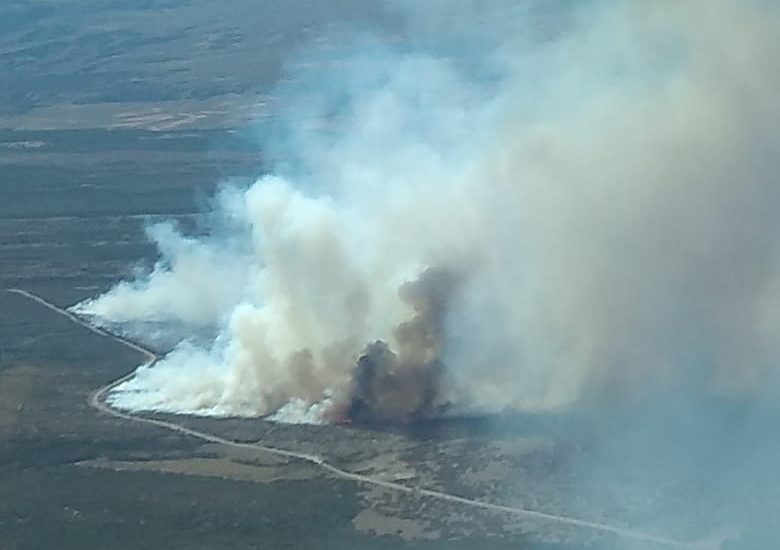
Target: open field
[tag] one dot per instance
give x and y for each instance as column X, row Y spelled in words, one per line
column 161, row 63
column 84, row 480
column 99, row 135
column 121, row 113
column 71, row 224
column 78, row 478
column 448, row 459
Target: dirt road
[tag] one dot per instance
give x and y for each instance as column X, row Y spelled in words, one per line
column 97, row 401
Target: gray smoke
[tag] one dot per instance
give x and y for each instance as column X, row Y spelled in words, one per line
column 579, row 205
column 604, row 182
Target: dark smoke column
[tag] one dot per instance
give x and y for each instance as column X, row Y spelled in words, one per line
column 403, row 385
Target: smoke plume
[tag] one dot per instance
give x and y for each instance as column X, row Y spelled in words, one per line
column 405, row 385
column 578, row 204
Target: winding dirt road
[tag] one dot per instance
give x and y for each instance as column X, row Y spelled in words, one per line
column 97, row 401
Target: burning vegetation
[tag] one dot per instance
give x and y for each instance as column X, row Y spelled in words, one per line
column 406, row 384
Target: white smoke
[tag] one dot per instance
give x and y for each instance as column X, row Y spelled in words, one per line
column 607, row 196
column 196, row 282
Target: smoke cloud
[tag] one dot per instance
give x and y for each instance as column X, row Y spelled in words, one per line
column 404, row 386
column 578, row 204
column 557, row 207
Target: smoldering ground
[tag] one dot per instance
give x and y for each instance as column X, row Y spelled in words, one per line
column 603, row 186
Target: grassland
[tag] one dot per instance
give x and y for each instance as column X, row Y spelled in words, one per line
column 71, row 224
column 120, row 113
column 49, row 498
